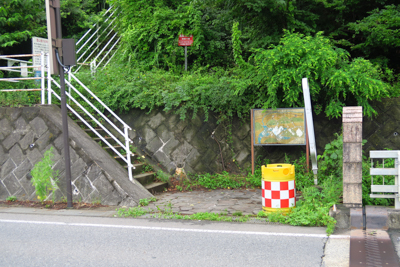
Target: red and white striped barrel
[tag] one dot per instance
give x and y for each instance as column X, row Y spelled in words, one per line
column 278, row 195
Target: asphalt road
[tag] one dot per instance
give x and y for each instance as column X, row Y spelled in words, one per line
column 37, row 240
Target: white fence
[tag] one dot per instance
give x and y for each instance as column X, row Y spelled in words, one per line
column 23, row 69
column 384, row 190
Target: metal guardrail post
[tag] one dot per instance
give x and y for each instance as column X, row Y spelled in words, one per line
column 48, row 80
column 42, row 77
column 128, row 153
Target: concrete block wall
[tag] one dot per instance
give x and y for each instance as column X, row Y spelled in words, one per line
column 26, row 133
column 172, row 142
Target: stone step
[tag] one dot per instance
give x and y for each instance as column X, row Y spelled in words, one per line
column 97, row 129
column 138, row 168
column 156, row 187
column 109, row 139
column 145, row 178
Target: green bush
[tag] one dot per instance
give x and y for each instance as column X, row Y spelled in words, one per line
column 44, row 178
column 272, row 77
column 313, row 209
column 19, row 98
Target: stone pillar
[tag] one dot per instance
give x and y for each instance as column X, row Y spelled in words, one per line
column 352, row 157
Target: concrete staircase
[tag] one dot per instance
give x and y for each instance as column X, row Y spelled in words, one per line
column 143, row 173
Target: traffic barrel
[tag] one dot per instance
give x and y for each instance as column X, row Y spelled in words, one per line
column 278, row 187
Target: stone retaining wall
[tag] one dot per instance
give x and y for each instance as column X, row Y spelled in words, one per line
column 26, row 133
column 197, row 145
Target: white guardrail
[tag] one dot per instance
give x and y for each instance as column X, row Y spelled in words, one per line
column 92, row 44
column 76, row 81
column 394, row 190
column 124, row 134
column 23, row 69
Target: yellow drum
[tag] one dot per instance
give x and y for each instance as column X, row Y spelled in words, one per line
column 278, row 187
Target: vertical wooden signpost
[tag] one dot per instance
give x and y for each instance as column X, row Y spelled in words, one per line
column 185, row 41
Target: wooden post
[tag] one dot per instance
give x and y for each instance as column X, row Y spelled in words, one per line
column 352, row 157
column 252, row 141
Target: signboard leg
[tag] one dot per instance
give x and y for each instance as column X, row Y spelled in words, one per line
column 252, row 142
column 185, row 58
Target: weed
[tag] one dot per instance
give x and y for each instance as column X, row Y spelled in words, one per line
column 146, row 201
column 242, row 218
column 96, row 201
column 162, row 176
column 237, row 213
column 262, row 214
column 178, row 187
column 133, row 149
column 147, row 168
column 11, row 198
column 131, row 212
column 44, row 178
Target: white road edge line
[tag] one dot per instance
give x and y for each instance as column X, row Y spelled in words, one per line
column 177, row 229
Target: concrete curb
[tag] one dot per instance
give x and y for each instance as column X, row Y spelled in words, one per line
column 342, row 216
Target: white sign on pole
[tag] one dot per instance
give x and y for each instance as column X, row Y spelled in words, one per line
column 310, row 127
column 39, row 45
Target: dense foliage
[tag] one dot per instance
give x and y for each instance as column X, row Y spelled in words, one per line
column 151, row 28
column 20, row 20
column 246, row 54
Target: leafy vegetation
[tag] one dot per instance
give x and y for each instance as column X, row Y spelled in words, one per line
column 313, row 208
column 20, row 20
column 11, row 198
column 44, row 178
column 146, row 201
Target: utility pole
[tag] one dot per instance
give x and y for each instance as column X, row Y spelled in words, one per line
column 60, row 48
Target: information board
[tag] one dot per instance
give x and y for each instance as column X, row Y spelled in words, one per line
column 39, row 45
column 283, row 126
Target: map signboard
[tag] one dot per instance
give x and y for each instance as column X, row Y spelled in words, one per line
column 284, row 126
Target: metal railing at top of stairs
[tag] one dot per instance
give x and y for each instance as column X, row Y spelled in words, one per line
column 394, row 190
column 23, row 69
column 124, row 134
column 90, row 41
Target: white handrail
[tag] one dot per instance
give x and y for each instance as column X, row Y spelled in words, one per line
column 92, row 27
column 94, row 50
column 101, row 102
column 108, row 52
column 124, row 133
column 91, row 43
column 96, row 38
column 94, row 107
column 110, row 58
column 95, row 120
column 102, row 50
column 90, row 127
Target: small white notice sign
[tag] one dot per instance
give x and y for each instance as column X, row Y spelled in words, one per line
column 39, row 45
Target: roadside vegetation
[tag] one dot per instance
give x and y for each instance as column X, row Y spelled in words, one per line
column 246, row 54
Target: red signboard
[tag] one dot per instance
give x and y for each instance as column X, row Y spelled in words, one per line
column 185, row 40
